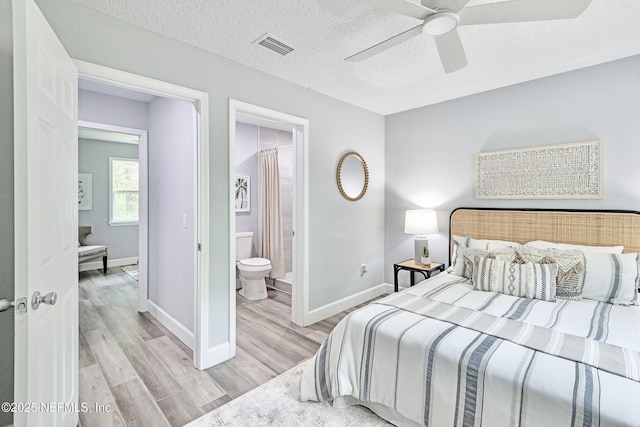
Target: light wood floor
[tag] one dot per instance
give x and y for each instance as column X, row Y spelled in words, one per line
column 133, row 364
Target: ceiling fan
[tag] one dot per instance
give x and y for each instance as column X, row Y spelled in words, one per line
column 442, row 22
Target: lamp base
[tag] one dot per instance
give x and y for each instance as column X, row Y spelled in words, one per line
column 418, row 243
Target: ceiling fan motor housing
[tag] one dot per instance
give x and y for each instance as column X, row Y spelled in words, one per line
column 441, row 23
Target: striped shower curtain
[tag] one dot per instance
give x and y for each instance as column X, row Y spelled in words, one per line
column 270, row 211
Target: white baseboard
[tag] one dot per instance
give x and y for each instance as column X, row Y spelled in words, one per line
column 97, row 265
column 336, row 307
column 389, row 288
column 175, row 327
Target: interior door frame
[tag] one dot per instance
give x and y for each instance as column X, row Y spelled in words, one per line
column 113, row 77
column 300, row 288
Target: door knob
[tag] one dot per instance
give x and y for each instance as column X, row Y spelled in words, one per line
column 48, row 299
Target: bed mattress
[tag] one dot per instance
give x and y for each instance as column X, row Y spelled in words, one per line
column 440, row 353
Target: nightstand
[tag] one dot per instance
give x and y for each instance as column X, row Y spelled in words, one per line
column 411, row 266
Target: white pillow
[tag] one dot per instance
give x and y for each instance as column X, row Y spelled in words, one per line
column 611, row 278
column 457, row 259
column 489, row 245
column 541, row 244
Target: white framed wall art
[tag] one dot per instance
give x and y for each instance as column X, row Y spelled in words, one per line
column 243, row 194
column 85, row 191
column 562, row 171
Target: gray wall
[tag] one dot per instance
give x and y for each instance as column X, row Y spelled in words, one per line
column 247, row 165
column 93, row 157
column 6, row 206
column 430, row 151
column 171, row 195
column 343, row 234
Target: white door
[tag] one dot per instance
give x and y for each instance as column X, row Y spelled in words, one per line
column 46, row 171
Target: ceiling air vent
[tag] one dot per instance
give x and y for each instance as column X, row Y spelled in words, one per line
column 274, row 45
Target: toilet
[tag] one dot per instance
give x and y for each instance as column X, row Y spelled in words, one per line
column 252, row 271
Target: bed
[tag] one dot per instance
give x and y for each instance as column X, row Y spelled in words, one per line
column 463, row 348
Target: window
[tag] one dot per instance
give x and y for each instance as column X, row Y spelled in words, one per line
column 124, row 191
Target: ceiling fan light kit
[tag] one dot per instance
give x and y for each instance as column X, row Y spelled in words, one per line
column 440, row 23
column 443, row 23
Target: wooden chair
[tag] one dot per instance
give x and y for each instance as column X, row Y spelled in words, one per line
column 89, row 252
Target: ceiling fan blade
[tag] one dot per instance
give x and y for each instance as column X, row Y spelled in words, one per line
column 522, row 11
column 387, row 44
column 451, row 52
column 402, row 7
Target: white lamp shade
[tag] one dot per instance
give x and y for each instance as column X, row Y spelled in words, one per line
column 421, row 222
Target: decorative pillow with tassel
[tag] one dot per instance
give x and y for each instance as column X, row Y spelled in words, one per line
column 571, row 268
column 529, row 280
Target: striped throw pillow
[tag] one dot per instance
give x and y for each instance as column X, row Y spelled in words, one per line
column 612, row 278
column 529, row 280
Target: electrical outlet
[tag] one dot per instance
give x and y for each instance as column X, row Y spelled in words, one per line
column 363, row 269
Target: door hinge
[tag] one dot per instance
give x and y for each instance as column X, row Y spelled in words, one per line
column 199, row 247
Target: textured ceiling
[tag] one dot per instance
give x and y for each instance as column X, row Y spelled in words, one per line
column 324, row 32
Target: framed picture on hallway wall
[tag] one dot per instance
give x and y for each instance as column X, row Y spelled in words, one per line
column 243, row 194
column 85, row 192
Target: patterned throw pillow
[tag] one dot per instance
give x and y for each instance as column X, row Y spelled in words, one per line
column 537, row 281
column 571, row 267
column 612, row 278
column 508, row 254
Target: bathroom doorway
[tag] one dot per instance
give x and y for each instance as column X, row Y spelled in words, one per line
column 265, row 160
column 254, row 133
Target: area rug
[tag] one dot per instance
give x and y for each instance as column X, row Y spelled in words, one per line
column 275, row 403
column 131, row 270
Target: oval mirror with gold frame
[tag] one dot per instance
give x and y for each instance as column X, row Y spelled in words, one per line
column 352, row 175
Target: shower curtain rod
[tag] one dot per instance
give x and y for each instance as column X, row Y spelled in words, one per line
column 275, row 148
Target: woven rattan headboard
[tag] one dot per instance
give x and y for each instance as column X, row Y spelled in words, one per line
column 597, row 228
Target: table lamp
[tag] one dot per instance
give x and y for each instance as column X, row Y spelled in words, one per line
column 420, row 223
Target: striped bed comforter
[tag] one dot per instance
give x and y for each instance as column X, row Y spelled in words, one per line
column 442, row 354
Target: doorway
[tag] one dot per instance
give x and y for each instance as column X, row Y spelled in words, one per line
column 264, row 196
column 299, row 274
column 191, row 223
column 98, row 145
